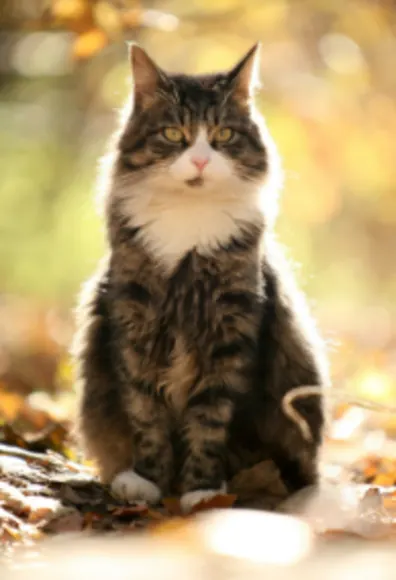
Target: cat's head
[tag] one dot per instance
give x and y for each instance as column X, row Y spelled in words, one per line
column 194, row 134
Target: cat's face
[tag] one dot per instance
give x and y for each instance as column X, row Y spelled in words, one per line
column 193, row 134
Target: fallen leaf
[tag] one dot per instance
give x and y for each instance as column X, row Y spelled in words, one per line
column 10, row 405
column 130, row 511
column 41, row 508
column 218, row 501
column 70, row 520
column 155, row 515
column 89, row 518
column 11, row 437
column 172, row 504
column 52, row 437
column 9, row 534
column 12, row 498
column 384, row 479
column 260, row 483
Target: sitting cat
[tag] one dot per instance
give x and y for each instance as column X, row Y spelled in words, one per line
column 192, row 332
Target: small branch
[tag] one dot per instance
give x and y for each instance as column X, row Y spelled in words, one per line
column 338, row 394
column 360, row 402
column 290, row 412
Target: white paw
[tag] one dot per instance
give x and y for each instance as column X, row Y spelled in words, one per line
column 129, row 486
column 193, row 498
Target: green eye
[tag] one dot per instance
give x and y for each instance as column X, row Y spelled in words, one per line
column 223, row 135
column 173, row 134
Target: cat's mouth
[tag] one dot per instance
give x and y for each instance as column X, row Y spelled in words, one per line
column 196, row 181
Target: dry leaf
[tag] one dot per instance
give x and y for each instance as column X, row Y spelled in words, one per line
column 12, row 498
column 10, row 405
column 69, row 520
column 172, row 504
column 11, row 437
column 130, row 511
column 155, row 515
column 225, row 500
column 384, row 479
column 41, row 508
column 260, row 486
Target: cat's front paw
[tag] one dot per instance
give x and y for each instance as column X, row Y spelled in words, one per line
column 129, row 486
column 192, row 498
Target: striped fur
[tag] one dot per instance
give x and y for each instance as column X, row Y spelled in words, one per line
column 189, row 335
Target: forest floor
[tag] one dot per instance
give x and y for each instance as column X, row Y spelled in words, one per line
column 47, row 491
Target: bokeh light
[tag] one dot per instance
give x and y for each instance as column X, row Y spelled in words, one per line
column 329, row 98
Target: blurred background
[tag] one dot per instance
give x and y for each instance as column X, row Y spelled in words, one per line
column 329, row 97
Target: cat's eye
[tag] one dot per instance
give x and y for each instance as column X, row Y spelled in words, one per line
column 224, row 135
column 173, row 134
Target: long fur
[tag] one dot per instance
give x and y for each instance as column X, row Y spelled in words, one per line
column 192, row 330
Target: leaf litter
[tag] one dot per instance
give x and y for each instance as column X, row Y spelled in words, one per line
column 45, row 490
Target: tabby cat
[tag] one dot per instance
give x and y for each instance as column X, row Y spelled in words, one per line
column 192, row 331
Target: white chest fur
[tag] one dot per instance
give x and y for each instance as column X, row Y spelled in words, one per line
column 174, row 223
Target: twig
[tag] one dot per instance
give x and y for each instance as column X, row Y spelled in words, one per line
column 293, row 414
column 43, row 459
column 48, row 459
column 360, row 402
column 338, row 394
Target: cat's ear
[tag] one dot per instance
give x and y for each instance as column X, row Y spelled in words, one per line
column 147, row 76
column 243, row 78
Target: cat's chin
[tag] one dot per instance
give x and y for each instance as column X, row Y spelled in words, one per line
column 195, row 181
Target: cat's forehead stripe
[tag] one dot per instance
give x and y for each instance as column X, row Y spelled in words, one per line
column 201, row 140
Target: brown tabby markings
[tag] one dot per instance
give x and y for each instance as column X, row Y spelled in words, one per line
column 183, row 369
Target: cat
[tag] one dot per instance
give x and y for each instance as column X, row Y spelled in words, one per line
column 192, row 331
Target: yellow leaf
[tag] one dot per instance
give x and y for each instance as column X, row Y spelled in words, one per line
column 10, row 405
column 384, row 479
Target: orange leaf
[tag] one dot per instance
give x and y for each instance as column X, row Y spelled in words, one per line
column 389, row 501
column 172, row 504
column 154, row 515
column 130, row 511
column 384, row 479
column 90, row 518
column 89, row 43
column 370, row 471
column 10, row 405
column 218, row 501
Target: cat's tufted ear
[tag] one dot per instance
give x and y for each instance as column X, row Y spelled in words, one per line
column 243, row 78
column 147, row 76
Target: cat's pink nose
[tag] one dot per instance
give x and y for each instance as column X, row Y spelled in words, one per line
column 200, row 162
